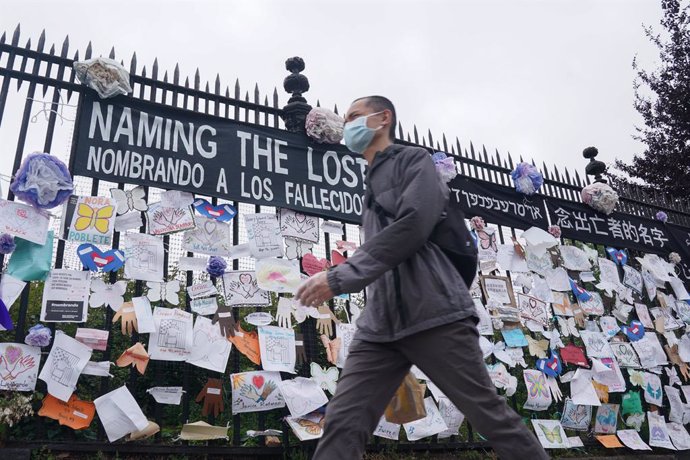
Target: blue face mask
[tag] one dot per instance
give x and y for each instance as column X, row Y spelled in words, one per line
column 358, row 135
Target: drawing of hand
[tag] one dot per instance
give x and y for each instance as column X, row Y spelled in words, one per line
column 212, row 394
column 284, row 313
column 299, row 349
column 324, row 324
column 227, row 322
column 128, row 317
column 249, row 392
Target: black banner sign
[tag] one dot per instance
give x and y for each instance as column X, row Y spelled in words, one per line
column 498, row 204
column 680, row 237
column 134, row 141
column 580, row 222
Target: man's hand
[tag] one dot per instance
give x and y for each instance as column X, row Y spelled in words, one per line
column 314, row 291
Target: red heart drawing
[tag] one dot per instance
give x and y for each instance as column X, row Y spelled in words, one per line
column 101, row 261
column 13, row 354
column 299, row 217
column 258, row 381
column 337, row 258
column 313, row 265
column 245, row 278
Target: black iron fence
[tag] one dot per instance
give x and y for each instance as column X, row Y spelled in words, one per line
column 45, row 82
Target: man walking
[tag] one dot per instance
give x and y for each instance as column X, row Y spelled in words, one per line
column 419, row 314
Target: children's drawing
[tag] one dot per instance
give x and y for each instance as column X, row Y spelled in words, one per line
column 430, row 425
column 451, row 416
column 221, row 213
column 658, row 432
column 612, row 377
column 143, row 257
column 346, row 333
column 302, row 395
column 242, row 288
column 561, row 304
column 164, row 292
column 596, row 344
column 129, row 200
column 18, row 366
column 263, row 234
column 174, row 336
column 550, row 434
column 576, row 416
column 326, row 378
column 255, row 391
column 632, row 278
column 296, row 225
column 65, row 362
column 568, row 327
column 653, row 393
column 277, row 345
column 387, row 430
column 574, row 258
column 538, row 393
column 25, row 222
column 643, row 314
column 498, row 288
column 649, row 351
column 209, row 237
column 593, row 306
column 89, row 219
column 534, row 309
column 162, row 220
column 486, row 244
column 538, row 262
column 307, row 427
column 605, row 420
column 278, row 275
column 210, row 349
column 625, row 354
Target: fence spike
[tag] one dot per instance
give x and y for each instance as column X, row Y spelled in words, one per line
column 3, row 38
column 499, row 161
column 41, row 41
column 335, row 109
column 266, row 101
column 457, row 143
column 22, row 66
column 275, row 97
column 15, row 35
column 237, row 88
column 207, row 89
column 472, row 151
column 51, row 51
column 577, row 179
column 556, row 173
column 431, row 139
column 186, row 82
column 197, row 79
column 154, row 69
column 486, row 156
column 217, row 84
column 89, row 51
column 133, row 64
column 408, row 137
column 438, row 147
column 257, row 95
column 452, row 150
column 143, row 71
column 65, row 47
column 318, row 103
column 416, row 136
column 401, row 134
column 176, row 74
column 445, row 143
column 533, row 163
column 72, row 76
column 227, row 92
column 165, row 77
column 112, row 53
column 567, row 177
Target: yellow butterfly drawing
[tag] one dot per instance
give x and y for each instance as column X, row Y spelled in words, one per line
column 553, row 435
column 98, row 218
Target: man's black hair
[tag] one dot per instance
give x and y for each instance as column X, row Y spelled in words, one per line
column 379, row 103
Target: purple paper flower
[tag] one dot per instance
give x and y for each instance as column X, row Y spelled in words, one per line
column 324, row 126
column 43, row 181
column 527, row 178
column 38, row 336
column 661, row 216
column 555, row 231
column 674, row 258
column 601, row 197
column 6, row 243
column 216, row 266
column 445, row 166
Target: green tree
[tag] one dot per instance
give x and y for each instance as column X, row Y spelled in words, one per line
column 662, row 97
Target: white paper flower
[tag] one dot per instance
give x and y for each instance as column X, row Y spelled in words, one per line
column 600, row 197
column 324, row 126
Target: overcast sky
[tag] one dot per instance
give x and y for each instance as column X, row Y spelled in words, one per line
column 541, row 79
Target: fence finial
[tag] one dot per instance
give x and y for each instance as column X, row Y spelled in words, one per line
column 595, row 167
column 296, row 110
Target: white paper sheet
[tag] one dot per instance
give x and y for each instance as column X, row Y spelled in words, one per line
column 334, row 228
column 19, row 366
column 582, row 391
column 66, row 296
column 209, row 237
column 194, row 264
column 302, row 395
column 128, row 221
column 142, row 310
column 632, row 440
column 143, row 257
column 387, row 430
column 263, row 235
column 111, row 295
column 679, row 289
column 10, row 289
column 297, row 225
column 23, row 221
column 166, row 395
column 173, row 338
column 278, row 353
column 65, row 362
column 97, row 368
column 428, row 426
column 551, row 434
column 120, row 414
column 242, row 288
column 210, row 349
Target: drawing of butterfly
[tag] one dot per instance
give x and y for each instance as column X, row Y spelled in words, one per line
column 537, row 385
column 552, row 435
column 607, row 421
column 326, row 378
column 98, row 218
column 167, row 291
column 654, row 393
column 295, row 249
column 313, row 428
column 487, row 241
column 129, row 200
column 107, row 294
column 567, row 327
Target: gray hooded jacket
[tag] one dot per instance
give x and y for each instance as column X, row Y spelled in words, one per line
column 429, row 291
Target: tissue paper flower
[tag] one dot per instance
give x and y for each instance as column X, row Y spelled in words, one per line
column 38, row 336
column 107, row 77
column 674, row 258
column 661, row 216
column 43, row 181
column 445, row 166
column 555, row 231
column 6, row 243
column 527, row 178
column 477, row 223
column 216, row 266
column 600, row 197
column 324, row 126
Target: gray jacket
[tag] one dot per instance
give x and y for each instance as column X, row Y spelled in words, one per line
column 430, row 291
